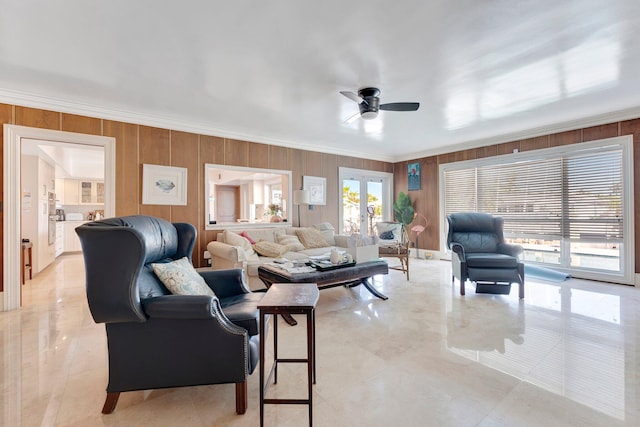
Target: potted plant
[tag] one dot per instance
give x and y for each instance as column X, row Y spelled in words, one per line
column 403, row 209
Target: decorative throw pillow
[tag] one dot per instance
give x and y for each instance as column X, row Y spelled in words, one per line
column 291, row 242
column 387, row 235
column 327, row 231
column 311, row 238
column 270, row 249
column 234, row 239
column 246, row 236
column 181, row 278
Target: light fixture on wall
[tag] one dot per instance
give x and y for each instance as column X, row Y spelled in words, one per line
column 300, row 197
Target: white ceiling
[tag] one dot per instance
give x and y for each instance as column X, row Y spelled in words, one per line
column 271, row 71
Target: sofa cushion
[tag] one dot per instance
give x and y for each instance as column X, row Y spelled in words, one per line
column 242, row 311
column 311, row 238
column 181, row 278
column 491, row 260
column 270, row 249
column 267, row 234
column 291, row 242
column 327, row 231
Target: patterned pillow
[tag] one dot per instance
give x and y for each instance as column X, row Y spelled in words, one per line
column 270, row 249
column 387, row 235
column 311, row 238
column 181, row 278
column 291, row 242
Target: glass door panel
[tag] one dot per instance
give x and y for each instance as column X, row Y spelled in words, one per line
column 366, row 200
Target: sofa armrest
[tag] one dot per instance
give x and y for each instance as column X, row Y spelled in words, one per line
column 228, row 256
column 458, row 249
column 342, row 240
column 509, row 249
column 225, row 283
column 179, row 307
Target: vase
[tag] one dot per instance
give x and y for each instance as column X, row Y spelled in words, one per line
column 275, row 218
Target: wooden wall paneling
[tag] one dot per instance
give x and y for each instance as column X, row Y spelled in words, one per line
column 632, row 127
column 81, row 124
column 488, row 151
column 127, row 166
column 211, row 150
column 6, row 116
column 331, row 213
column 37, row 118
column 600, row 132
column 565, row 138
column 185, row 153
column 351, row 162
column 236, row 152
column 154, row 149
column 534, row 143
column 508, row 147
column 431, row 181
column 279, row 157
column 258, row 155
column 457, row 156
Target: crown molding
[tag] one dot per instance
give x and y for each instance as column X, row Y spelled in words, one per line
column 71, row 107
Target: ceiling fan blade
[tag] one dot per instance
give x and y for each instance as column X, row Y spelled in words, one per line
column 352, row 96
column 400, row 106
column 352, row 118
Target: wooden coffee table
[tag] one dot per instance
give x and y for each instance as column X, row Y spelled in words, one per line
column 359, row 274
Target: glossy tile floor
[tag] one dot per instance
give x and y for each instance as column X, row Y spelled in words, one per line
column 568, row 355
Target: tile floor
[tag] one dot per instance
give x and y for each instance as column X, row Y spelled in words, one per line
column 568, row 355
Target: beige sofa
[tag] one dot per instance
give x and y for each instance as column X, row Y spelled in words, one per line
column 233, row 250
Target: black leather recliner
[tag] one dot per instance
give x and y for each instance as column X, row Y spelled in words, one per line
column 481, row 255
column 156, row 339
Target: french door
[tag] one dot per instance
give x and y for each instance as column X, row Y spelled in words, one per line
column 366, row 198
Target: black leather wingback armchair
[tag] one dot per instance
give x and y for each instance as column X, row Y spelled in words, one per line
column 481, row 255
column 156, row 339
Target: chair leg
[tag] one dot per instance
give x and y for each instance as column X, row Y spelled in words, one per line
column 241, row 397
column 110, row 402
column 406, row 266
column 462, row 286
column 521, row 290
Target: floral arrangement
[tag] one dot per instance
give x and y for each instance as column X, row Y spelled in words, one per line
column 273, row 209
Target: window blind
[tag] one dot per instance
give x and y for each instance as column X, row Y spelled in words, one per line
column 568, row 196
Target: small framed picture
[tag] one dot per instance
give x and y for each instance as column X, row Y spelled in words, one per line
column 164, row 185
column 413, row 171
column 317, row 187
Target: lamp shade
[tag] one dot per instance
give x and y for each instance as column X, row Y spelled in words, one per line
column 301, row 197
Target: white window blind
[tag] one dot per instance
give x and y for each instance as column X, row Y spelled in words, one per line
column 568, row 196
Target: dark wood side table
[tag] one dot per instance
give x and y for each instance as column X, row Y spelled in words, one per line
column 288, row 299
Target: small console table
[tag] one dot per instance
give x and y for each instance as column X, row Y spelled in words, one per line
column 288, row 299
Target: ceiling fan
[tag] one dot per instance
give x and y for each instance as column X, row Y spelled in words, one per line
column 369, row 103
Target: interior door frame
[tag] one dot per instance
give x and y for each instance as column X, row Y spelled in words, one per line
column 363, row 175
column 13, row 135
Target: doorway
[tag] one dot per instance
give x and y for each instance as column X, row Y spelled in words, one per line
column 366, row 199
column 13, row 138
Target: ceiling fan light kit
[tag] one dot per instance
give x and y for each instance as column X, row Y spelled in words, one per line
column 369, row 103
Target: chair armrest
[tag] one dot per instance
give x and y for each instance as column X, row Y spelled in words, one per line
column 225, row 283
column 179, row 307
column 509, row 249
column 458, row 249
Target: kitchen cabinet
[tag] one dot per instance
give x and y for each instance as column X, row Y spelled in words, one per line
column 83, row 192
column 71, row 239
column 59, row 238
column 71, row 192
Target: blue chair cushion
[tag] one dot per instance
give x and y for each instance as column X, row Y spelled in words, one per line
column 491, row 260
